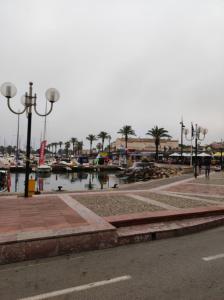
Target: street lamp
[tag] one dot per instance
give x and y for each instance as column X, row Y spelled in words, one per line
column 181, row 142
column 8, row 90
column 197, row 133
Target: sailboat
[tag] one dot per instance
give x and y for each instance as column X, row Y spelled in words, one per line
column 42, row 167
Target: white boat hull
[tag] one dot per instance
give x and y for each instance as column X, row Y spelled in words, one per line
column 44, row 169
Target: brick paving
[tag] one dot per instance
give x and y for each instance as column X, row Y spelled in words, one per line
column 48, row 225
column 203, row 200
column 196, row 188
column 19, row 214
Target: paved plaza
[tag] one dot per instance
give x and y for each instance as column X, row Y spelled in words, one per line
column 174, row 193
column 54, row 224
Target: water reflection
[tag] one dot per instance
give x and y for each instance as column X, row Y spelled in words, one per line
column 103, row 179
column 16, row 181
column 68, row 181
column 90, row 185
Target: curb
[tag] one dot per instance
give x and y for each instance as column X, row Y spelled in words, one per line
column 153, row 235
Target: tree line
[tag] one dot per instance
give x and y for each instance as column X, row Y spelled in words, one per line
column 77, row 146
column 126, row 131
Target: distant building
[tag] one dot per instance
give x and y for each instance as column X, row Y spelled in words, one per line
column 216, row 146
column 145, row 144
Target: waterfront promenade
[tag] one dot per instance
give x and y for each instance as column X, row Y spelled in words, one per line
column 54, row 224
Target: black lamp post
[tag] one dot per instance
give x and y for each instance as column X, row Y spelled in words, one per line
column 181, row 140
column 28, row 100
column 196, row 135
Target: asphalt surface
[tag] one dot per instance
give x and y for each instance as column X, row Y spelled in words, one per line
column 166, row 269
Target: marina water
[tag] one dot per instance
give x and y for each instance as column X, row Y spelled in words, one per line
column 77, row 181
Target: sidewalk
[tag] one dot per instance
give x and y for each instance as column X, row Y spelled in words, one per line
column 55, row 224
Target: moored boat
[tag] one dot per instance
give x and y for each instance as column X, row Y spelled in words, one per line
column 61, row 166
column 5, row 181
column 43, row 169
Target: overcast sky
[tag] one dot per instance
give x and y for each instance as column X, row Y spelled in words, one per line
column 115, row 62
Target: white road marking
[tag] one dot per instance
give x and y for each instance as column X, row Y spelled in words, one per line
column 208, row 258
column 78, row 288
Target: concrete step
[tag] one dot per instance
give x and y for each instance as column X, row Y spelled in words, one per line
column 159, row 230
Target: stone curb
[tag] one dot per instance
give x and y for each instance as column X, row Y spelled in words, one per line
column 55, row 246
column 164, row 234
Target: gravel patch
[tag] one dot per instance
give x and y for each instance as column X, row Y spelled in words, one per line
column 174, row 201
column 109, row 205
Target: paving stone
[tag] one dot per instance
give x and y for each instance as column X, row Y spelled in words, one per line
column 108, row 205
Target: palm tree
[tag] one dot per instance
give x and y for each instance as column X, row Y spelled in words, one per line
column 126, row 130
column 48, row 147
column 109, row 139
column 91, row 138
column 52, row 148
column 79, row 145
column 99, row 146
column 60, row 144
column 55, row 145
column 2, row 149
column 67, row 146
column 73, row 141
column 9, row 149
column 158, row 133
column 103, row 135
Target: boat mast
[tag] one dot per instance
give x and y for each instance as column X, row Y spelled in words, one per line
column 42, row 140
column 17, row 141
column 45, row 122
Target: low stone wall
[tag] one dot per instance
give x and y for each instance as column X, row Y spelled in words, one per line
column 49, row 247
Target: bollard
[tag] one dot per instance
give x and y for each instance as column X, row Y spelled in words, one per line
column 31, row 187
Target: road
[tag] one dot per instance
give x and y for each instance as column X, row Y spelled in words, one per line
column 188, row 267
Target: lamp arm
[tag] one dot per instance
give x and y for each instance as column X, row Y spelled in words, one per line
column 43, row 115
column 16, row 113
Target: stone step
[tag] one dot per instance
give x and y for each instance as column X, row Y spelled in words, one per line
column 164, row 216
column 159, row 230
